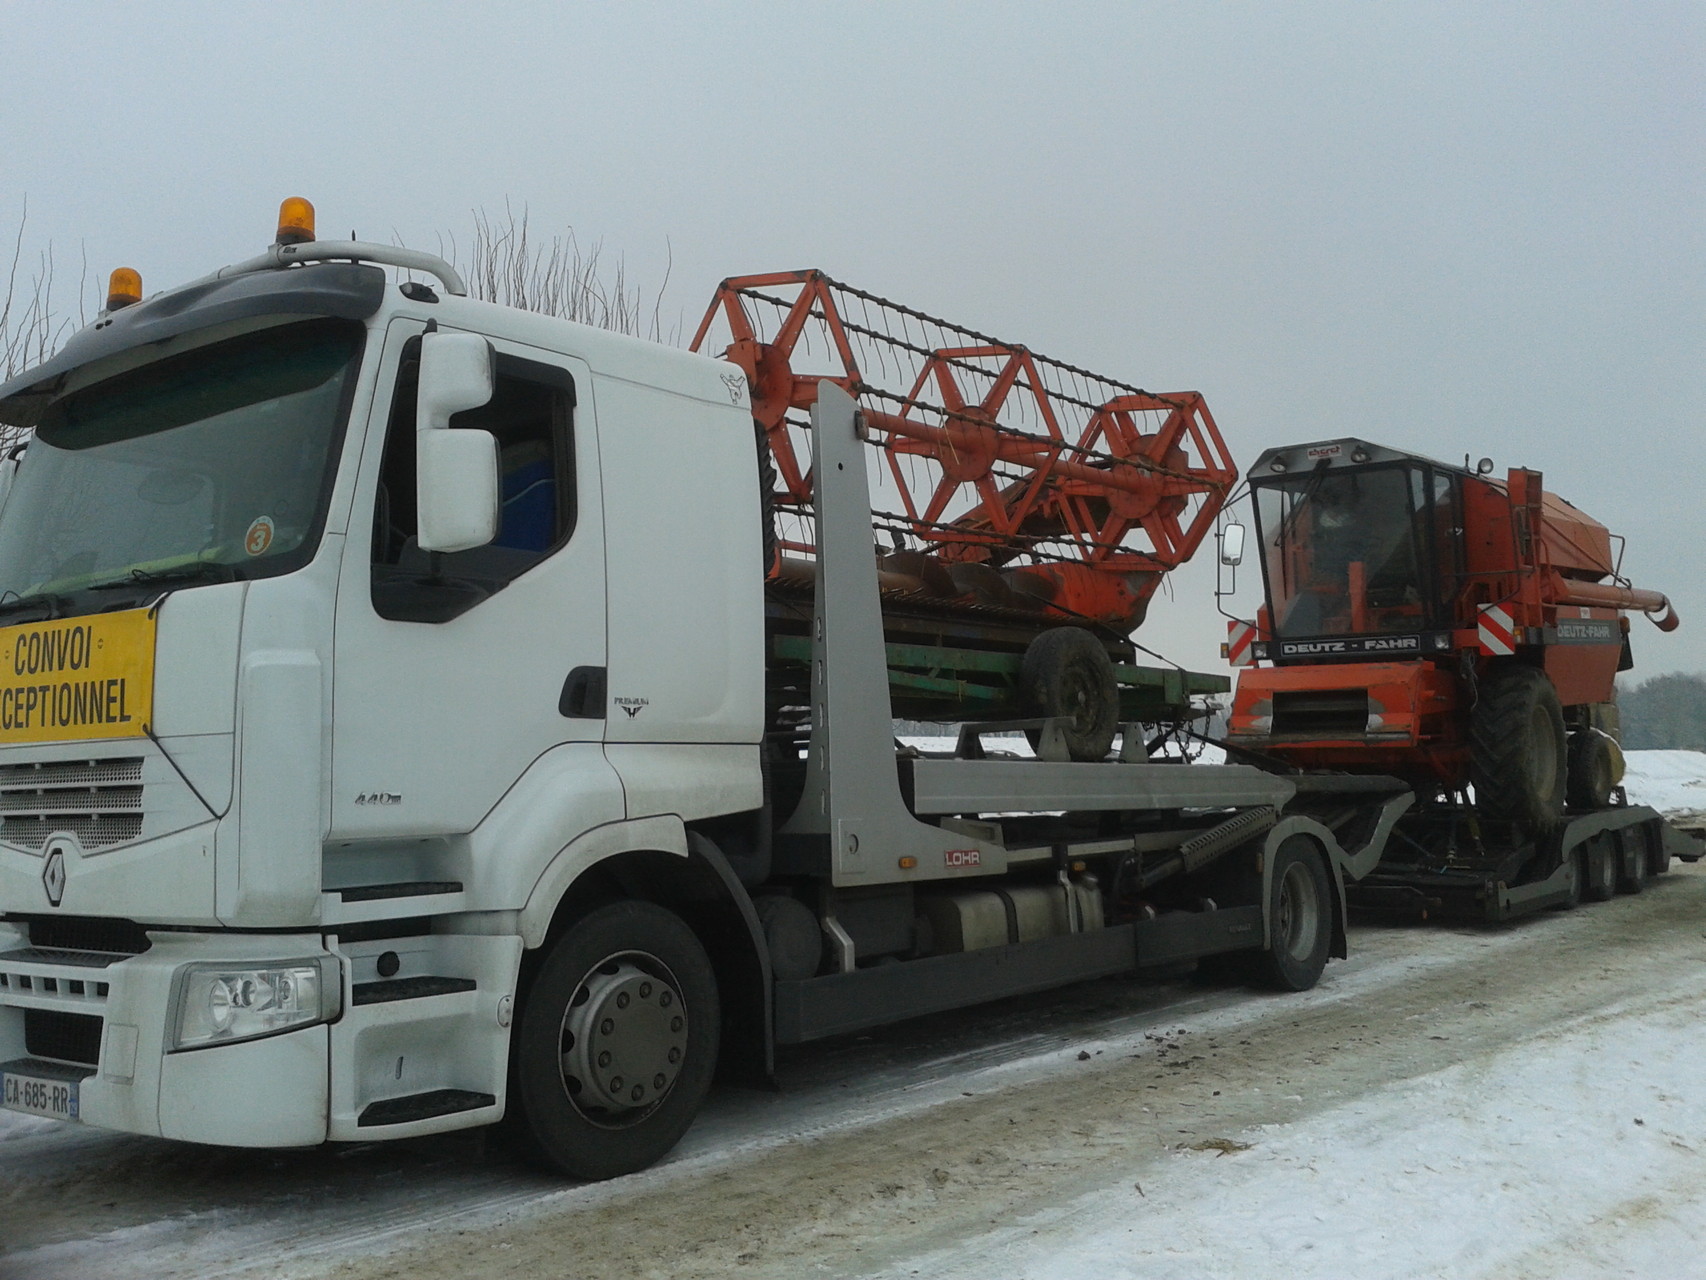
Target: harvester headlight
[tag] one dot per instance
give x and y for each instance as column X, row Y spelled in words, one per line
column 124, row 287
column 222, row 1004
column 295, row 221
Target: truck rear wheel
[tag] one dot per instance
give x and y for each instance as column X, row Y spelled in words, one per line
column 617, row 1042
column 1517, row 752
column 1300, row 919
column 1067, row 673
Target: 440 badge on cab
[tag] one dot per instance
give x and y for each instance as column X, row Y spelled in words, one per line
column 77, row 678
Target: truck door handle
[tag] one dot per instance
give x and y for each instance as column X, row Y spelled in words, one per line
column 583, row 694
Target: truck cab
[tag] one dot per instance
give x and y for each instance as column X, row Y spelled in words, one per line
column 291, row 768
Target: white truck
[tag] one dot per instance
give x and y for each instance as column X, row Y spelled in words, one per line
column 382, row 744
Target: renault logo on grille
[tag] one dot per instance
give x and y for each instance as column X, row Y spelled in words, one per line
column 53, row 877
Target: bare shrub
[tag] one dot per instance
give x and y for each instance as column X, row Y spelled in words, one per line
column 32, row 321
column 557, row 277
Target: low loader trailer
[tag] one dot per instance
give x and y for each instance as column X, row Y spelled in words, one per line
column 404, row 728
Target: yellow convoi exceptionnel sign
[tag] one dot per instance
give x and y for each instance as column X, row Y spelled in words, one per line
column 77, row 678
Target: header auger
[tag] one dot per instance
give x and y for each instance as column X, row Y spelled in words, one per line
column 1010, row 479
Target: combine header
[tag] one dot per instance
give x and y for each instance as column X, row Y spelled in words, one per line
column 1017, row 481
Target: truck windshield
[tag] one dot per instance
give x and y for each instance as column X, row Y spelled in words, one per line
column 1347, row 552
column 207, row 466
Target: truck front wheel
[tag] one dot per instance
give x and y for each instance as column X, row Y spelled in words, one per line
column 617, row 1041
column 1300, row 918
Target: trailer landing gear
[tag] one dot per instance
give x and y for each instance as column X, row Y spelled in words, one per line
column 617, row 1042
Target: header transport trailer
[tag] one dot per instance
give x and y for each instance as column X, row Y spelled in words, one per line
column 421, row 713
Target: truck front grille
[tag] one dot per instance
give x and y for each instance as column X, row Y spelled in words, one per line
column 98, row 801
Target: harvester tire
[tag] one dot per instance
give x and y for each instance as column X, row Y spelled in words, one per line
column 1066, row 672
column 1517, row 750
column 1592, row 771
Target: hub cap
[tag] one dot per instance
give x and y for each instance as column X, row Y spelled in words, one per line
column 624, row 1039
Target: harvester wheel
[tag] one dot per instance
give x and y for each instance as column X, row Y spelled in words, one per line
column 1592, row 770
column 1518, row 758
column 1066, row 672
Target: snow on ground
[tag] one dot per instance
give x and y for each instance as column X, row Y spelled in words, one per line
column 1672, row 782
column 1398, row 1183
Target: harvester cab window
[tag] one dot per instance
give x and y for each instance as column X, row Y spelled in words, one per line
column 531, row 417
column 1350, row 551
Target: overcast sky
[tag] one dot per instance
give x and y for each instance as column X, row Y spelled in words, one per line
column 1454, row 228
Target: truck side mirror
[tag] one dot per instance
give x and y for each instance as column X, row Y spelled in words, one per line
column 456, row 469
column 1232, row 545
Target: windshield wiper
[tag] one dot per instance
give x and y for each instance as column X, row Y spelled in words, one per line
column 202, row 571
column 52, row 606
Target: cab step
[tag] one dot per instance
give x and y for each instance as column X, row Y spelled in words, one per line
column 385, row 990
column 422, row 1106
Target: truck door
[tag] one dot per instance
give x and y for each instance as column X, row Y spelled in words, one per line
column 455, row 672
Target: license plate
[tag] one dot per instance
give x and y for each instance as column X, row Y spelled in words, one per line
column 38, row 1097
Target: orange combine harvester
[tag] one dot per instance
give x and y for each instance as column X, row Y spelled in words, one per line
column 1430, row 622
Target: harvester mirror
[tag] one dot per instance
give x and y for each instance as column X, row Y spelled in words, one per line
column 456, row 469
column 1484, row 467
column 1232, row 545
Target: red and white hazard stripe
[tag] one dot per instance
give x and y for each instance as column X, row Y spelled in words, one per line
column 1240, row 639
column 1496, row 634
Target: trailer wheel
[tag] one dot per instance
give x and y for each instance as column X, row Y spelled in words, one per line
column 1300, row 917
column 1578, row 881
column 1066, row 672
column 1632, row 867
column 1517, row 751
column 1602, row 872
column 617, row 1041
column 1592, row 771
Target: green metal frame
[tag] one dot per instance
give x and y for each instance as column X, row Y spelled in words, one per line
column 987, row 680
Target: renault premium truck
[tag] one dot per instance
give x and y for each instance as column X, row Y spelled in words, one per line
column 392, row 738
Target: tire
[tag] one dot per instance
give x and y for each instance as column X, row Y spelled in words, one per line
column 1300, row 919
column 1601, row 883
column 1592, row 771
column 1632, row 869
column 1517, row 751
column 1578, row 881
column 1066, row 672
column 617, row 1042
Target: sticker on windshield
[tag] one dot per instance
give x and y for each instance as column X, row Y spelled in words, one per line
column 259, row 537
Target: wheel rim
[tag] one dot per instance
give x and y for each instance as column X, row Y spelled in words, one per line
column 1542, row 753
column 623, row 1040
column 1297, row 919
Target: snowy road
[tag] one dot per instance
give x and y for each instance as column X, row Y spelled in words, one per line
column 1525, row 1100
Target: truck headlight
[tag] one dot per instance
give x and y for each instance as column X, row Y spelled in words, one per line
column 223, row 1003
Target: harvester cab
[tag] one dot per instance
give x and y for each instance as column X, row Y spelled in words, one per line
column 1432, row 622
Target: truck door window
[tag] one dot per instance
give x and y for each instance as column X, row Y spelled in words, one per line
column 531, row 416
